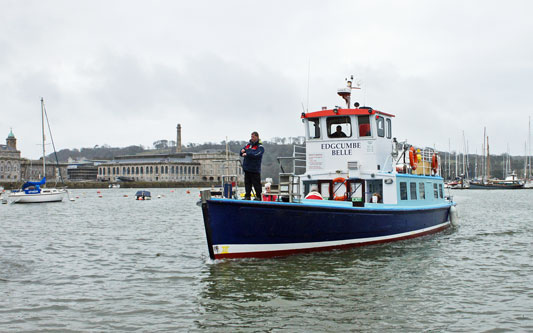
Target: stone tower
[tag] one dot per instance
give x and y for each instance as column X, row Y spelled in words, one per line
column 11, row 141
column 178, row 139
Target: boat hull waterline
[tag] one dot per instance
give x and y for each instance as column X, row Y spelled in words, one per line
column 247, row 229
column 474, row 186
column 55, row 196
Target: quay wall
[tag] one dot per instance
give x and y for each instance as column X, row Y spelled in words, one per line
column 81, row 185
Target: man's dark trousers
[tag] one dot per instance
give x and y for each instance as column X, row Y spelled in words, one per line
column 252, row 179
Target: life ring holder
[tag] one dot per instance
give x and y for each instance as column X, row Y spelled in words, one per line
column 343, row 181
column 412, row 158
column 434, row 163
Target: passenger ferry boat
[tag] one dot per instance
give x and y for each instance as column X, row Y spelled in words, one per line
column 360, row 187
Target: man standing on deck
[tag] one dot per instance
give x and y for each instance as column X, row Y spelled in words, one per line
column 253, row 155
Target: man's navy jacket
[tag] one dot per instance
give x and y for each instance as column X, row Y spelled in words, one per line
column 254, row 155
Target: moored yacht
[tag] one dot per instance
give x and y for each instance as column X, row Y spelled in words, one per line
column 36, row 192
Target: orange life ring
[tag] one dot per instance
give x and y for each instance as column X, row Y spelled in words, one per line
column 343, row 181
column 434, row 163
column 412, row 158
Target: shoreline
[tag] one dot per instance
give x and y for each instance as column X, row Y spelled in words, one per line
column 101, row 185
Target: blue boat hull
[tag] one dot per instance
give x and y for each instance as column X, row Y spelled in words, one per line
column 240, row 229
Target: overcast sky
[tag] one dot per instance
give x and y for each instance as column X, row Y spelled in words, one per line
column 127, row 72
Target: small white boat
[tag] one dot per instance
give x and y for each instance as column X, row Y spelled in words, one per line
column 37, row 196
column 32, row 192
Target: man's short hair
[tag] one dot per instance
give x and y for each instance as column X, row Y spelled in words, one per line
column 255, row 133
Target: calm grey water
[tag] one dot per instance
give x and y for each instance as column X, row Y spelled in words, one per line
column 116, row 264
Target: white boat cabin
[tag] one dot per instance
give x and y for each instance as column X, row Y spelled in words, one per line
column 352, row 155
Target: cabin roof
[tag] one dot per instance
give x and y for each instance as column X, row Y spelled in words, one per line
column 344, row 112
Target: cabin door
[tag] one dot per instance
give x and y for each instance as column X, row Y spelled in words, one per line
column 375, row 189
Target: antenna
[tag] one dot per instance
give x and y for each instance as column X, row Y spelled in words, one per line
column 308, row 74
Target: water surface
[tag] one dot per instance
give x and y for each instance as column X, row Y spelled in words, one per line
column 116, row 264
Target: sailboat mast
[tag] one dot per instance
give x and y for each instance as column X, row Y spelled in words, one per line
column 449, row 160
column 488, row 159
column 529, row 150
column 44, row 139
column 484, row 152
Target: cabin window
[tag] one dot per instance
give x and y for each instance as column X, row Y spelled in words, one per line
column 403, row 191
column 339, row 127
column 364, row 126
column 389, row 129
column 422, row 190
column 440, row 191
column 413, row 190
column 380, row 123
column 314, row 128
column 435, row 191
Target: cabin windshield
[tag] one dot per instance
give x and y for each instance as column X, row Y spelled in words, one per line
column 339, row 127
column 314, row 128
column 364, row 126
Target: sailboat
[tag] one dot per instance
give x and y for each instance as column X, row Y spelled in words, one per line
column 486, row 183
column 35, row 191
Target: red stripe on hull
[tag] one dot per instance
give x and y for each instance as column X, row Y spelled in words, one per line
column 282, row 253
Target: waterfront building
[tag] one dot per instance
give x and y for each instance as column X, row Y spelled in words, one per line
column 150, row 167
column 173, row 165
column 33, row 170
column 217, row 163
column 170, row 166
column 10, row 160
column 82, row 170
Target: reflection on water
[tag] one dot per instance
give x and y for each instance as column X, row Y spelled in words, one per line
column 115, row 264
column 343, row 288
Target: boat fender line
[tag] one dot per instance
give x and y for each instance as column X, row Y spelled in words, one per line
column 434, row 163
column 314, row 195
column 413, row 158
column 340, row 180
column 454, row 216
